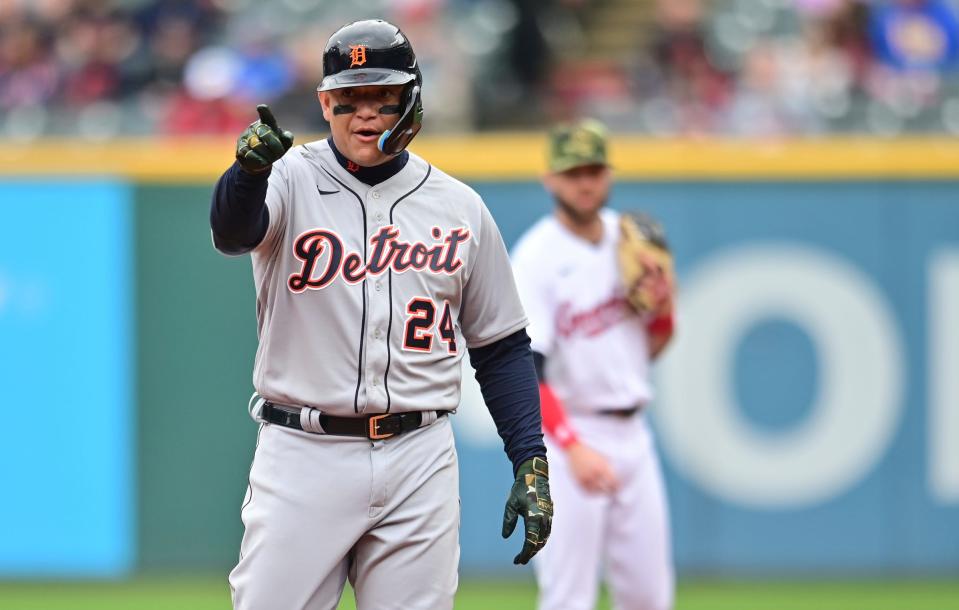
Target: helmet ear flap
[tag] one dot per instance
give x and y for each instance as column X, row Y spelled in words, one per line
column 394, row 141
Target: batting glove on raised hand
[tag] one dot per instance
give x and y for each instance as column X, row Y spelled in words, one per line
column 530, row 499
column 262, row 143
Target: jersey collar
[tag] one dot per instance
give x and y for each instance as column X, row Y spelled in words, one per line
column 371, row 175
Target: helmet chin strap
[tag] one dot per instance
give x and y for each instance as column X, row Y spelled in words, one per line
column 394, row 141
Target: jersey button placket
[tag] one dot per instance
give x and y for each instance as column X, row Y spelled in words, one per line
column 379, row 313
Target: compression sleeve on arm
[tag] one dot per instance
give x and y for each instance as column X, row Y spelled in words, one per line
column 238, row 213
column 507, row 378
column 555, row 421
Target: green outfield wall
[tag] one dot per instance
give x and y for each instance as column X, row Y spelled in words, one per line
column 196, row 331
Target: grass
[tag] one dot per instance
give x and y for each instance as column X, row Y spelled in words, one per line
column 213, row 594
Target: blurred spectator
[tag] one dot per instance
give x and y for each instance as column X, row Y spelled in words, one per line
column 29, row 73
column 767, row 102
column 528, row 50
column 265, row 73
column 91, row 50
column 694, row 84
column 186, row 115
column 916, row 34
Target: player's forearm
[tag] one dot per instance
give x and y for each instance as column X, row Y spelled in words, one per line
column 238, row 213
column 507, row 378
column 555, row 422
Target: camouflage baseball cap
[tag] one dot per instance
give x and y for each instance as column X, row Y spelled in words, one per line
column 578, row 144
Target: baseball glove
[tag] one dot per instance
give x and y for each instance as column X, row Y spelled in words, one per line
column 645, row 264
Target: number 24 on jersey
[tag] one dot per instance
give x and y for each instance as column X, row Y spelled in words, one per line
column 418, row 336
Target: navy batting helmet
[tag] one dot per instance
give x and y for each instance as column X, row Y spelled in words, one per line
column 370, row 52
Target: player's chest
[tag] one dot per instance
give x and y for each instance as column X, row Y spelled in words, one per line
column 348, row 238
column 587, row 293
column 581, row 275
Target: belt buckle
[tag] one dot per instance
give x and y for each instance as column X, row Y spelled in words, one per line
column 374, row 430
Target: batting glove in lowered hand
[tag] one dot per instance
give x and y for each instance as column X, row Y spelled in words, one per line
column 262, row 143
column 530, row 499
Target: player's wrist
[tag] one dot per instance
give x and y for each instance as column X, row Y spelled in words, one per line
column 661, row 325
column 535, row 465
column 261, row 174
column 565, row 436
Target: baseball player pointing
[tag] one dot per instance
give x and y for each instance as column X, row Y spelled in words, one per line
column 375, row 272
column 593, row 336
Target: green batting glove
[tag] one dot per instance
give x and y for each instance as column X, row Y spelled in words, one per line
column 529, row 497
column 262, row 143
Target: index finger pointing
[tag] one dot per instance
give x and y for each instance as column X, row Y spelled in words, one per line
column 266, row 116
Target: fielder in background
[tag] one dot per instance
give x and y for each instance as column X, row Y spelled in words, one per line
column 374, row 273
column 597, row 287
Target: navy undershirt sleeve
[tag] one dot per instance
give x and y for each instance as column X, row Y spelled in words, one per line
column 539, row 361
column 238, row 213
column 507, row 378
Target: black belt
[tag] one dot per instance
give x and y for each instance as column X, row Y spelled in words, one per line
column 373, row 427
column 620, row 412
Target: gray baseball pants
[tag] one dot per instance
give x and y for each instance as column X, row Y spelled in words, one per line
column 321, row 510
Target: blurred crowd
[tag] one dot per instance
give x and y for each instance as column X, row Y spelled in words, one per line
column 101, row 68
column 780, row 67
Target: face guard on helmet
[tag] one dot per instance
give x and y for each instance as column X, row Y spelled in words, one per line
column 370, row 53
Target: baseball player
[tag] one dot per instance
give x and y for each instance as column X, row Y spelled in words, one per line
column 375, row 272
column 593, row 350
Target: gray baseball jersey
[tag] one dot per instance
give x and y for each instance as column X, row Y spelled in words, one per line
column 367, row 297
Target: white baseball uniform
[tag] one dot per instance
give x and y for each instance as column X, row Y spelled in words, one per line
column 367, row 297
column 597, row 359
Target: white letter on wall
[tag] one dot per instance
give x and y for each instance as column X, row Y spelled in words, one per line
column 856, row 406
column 943, row 336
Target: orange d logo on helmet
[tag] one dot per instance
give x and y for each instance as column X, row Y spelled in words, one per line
column 357, row 55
